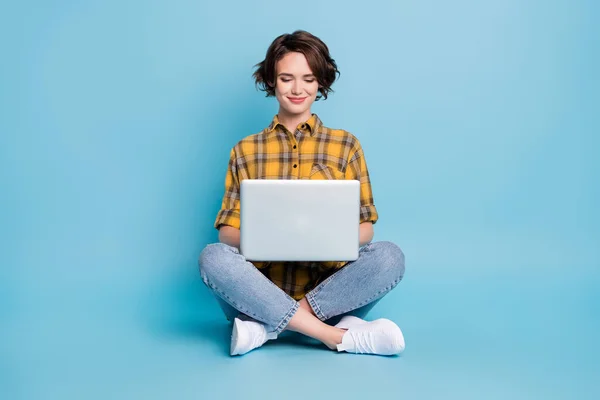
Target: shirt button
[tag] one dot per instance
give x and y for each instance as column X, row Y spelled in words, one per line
column 295, row 166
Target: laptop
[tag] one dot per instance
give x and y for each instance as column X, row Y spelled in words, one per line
column 299, row 220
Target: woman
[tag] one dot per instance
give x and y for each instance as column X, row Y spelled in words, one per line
column 321, row 300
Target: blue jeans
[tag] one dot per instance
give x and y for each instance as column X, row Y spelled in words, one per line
column 352, row 290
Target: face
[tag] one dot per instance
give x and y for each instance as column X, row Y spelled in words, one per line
column 296, row 87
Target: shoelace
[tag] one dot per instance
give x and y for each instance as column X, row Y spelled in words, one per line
column 363, row 342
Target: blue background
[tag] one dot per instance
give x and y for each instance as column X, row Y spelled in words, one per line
column 480, row 126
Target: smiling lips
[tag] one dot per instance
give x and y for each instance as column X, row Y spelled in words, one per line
column 297, row 100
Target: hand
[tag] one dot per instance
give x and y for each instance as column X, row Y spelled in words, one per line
column 229, row 235
column 366, row 233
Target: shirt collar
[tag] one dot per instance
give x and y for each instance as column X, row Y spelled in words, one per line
column 312, row 125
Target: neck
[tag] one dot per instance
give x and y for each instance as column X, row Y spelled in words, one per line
column 291, row 121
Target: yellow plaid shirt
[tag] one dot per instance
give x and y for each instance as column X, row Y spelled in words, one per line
column 313, row 151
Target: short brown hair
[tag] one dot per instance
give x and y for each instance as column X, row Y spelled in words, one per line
column 316, row 52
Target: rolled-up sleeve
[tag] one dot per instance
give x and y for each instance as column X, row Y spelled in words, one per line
column 357, row 169
column 229, row 214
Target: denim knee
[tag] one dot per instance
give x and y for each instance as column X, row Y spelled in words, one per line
column 215, row 260
column 391, row 259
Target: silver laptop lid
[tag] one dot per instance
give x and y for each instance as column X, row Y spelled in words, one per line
column 299, row 220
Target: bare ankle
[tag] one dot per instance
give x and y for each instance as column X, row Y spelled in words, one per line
column 335, row 338
column 306, row 305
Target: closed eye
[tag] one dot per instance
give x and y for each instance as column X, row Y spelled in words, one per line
column 306, row 80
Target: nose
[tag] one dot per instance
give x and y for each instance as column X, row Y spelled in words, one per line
column 296, row 88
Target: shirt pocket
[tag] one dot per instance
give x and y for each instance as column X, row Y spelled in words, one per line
column 325, row 172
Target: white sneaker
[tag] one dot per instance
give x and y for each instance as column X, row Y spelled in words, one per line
column 382, row 336
column 248, row 335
